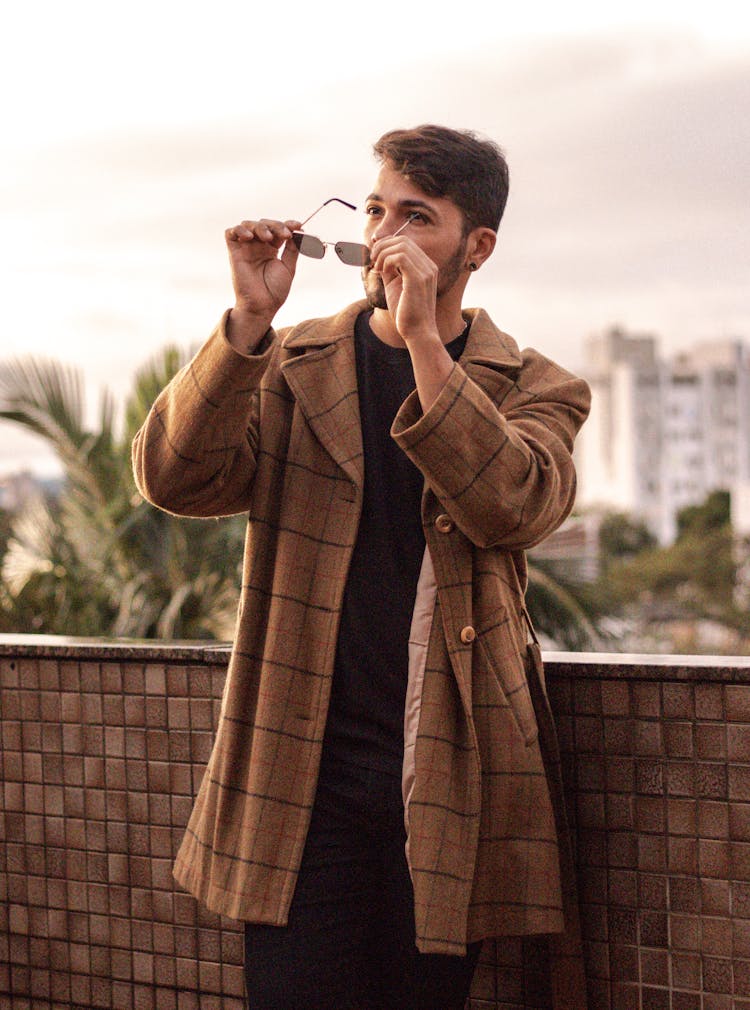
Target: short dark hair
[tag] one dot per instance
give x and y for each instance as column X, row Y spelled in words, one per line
column 457, row 164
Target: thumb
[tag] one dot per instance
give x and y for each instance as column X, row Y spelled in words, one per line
column 290, row 252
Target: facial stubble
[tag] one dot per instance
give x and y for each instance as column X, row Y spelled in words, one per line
column 448, row 274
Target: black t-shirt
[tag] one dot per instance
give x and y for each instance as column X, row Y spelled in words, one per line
column 366, row 714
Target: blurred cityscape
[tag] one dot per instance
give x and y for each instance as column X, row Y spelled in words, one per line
column 655, row 558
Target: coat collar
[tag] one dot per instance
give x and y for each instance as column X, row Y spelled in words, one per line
column 320, row 368
column 485, row 343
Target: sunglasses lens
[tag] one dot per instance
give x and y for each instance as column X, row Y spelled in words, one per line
column 309, row 245
column 354, row 254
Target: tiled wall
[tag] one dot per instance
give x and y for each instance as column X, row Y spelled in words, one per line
column 101, row 751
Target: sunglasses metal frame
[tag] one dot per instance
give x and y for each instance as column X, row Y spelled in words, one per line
column 353, row 254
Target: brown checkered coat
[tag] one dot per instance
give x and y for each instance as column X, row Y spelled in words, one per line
column 277, row 435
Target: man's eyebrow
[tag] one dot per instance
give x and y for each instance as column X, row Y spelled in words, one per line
column 413, row 202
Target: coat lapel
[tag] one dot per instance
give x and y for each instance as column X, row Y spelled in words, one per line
column 322, row 375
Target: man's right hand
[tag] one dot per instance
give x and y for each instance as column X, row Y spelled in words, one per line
column 261, row 278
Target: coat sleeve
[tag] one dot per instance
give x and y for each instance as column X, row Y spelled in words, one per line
column 195, row 454
column 496, row 448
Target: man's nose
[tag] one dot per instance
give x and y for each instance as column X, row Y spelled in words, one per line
column 384, row 227
column 388, row 226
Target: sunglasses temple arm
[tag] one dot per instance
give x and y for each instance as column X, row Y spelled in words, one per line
column 408, row 221
column 333, row 199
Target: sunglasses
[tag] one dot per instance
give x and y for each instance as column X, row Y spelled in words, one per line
column 353, row 254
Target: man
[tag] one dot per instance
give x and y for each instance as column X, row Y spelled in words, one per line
column 375, row 803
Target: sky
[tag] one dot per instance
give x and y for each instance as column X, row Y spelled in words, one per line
column 132, row 136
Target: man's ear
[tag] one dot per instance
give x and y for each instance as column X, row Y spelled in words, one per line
column 480, row 245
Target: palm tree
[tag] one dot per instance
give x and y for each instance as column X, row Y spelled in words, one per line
column 559, row 607
column 100, row 560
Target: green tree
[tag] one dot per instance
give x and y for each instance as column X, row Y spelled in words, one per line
column 693, row 577
column 562, row 608
column 101, row 560
column 620, row 536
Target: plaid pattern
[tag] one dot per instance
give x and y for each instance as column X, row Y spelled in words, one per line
column 495, row 449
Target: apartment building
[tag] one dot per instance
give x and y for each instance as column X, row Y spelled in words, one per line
column 663, row 433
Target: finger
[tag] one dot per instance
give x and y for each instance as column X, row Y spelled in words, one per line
column 289, row 256
column 266, row 230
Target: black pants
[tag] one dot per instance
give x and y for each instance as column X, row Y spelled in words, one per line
column 349, row 943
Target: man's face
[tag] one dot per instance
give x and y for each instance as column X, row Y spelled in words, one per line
column 438, row 229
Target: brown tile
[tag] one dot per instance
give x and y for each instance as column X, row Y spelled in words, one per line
column 202, row 745
column 623, row 888
column 711, row 781
column 623, row 926
column 683, row 855
column 680, row 778
column 686, row 970
column 738, row 743
column 714, row 858
column 678, row 739
column 647, row 700
column 590, row 810
column 681, row 816
column 652, row 854
column 623, row 963
column 739, row 854
column 740, row 938
column 741, row 978
column 741, row 899
column 713, row 819
column 156, row 712
column 684, row 894
column 155, row 678
column 711, row 741
column 653, row 929
column 739, row 821
column 652, row 891
column 709, row 701
column 157, row 744
column 620, row 775
column 133, row 678
column 717, row 975
column 678, row 701
column 715, row 897
column 650, row 814
column 135, row 710
column 177, row 682
column 712, row 1001
column 620, row 812
column 654, row 967
column 685, row 932
column 649, row 738
column 649, row 777
column 622, row 849
column 686, row 1000
column 737, row 702
column 716, row 936
column 738, row 783
column 615, row 697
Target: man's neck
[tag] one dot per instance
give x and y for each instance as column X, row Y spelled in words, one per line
column 450, row 325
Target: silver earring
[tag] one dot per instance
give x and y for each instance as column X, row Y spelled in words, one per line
column 473, row 266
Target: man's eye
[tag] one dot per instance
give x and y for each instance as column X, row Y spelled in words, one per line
column 372, row 211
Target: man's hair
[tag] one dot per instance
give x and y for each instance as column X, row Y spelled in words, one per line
column 457, row 164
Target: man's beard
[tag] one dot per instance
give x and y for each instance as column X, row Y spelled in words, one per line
column 447, row 277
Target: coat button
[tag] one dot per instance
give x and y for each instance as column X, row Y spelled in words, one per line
column 468, row 635
column 444, row 523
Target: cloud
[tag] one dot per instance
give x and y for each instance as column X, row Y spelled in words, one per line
column 629, row 159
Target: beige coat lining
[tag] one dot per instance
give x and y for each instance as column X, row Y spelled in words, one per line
column 419, row 639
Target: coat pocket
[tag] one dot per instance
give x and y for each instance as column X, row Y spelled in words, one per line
column 499, row 651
